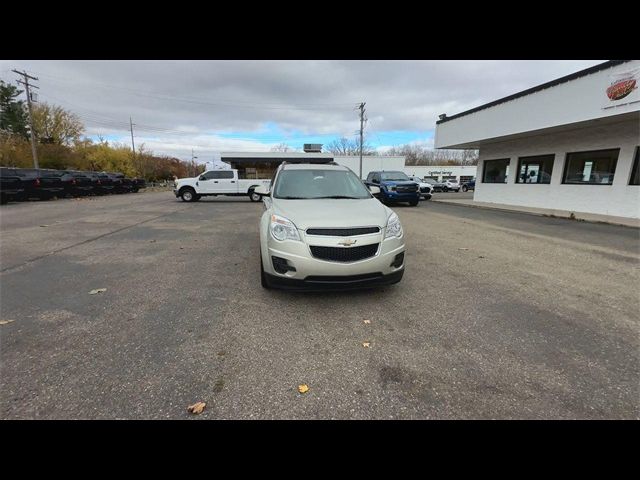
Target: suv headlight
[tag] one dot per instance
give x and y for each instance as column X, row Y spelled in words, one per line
column 394, row 229
column 283, row 229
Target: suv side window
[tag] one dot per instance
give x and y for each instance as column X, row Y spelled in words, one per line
column 376, row 178
column 370, row 177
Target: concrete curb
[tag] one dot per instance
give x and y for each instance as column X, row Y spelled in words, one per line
column 576, row 216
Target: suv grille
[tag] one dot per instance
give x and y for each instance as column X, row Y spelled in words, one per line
column 407, row 188
column 425, row 190
column 342, row 232
column 348, row 254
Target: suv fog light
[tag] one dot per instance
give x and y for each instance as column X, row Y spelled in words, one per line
column 398, row 261
column 281, row 265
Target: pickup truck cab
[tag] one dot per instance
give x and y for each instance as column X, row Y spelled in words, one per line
column 217, row 182
column 394, row 187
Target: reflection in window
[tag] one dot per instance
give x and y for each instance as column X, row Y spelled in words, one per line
column 535, row 169
column 496, row 171
column 594, row 168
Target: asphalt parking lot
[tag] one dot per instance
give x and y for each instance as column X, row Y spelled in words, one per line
column 499, row 315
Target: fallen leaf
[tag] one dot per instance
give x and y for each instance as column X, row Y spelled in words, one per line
column 181, row 248
column 44, row 225
column 463, row 248
column 481, row 256
column 366, row 344
column 4, row 322
column 196, row 408
column 304, row 388
column 151, row 241
column 367, row 321
column 97, row 290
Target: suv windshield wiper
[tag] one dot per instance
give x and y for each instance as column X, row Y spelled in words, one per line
column 340, row 197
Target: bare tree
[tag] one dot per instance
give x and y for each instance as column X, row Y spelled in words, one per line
column 344, row 146
column 281, row 147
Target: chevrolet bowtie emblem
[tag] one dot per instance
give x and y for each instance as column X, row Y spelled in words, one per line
column 347, row 242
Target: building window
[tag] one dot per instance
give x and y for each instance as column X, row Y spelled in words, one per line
column 535, row 169
column 635, row 171
column 591, row 168
column 496, row 171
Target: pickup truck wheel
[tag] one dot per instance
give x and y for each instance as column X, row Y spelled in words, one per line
column 188, row 195
column 254, row 197
column 263, row 278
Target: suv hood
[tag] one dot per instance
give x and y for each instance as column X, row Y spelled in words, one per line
column 391, row 183
column 333, row 212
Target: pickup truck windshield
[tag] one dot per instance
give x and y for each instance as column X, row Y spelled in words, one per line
column 313, row 184
column 397, row 176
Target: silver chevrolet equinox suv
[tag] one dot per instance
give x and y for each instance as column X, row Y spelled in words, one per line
column 323, row 229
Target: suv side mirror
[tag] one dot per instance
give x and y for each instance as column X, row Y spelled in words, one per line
column 202, row 177
column 374, row 190
column 261, row 190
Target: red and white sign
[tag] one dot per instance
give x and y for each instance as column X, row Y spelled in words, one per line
column 623, row 88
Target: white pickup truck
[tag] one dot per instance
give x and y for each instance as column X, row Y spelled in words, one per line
column 217, row 182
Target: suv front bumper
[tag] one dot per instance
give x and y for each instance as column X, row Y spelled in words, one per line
column 311, row 272
column 324, row 282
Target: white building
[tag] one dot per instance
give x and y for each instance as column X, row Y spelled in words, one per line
column 569, row 145
column 461, row 173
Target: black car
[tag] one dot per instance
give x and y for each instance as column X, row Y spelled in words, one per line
column 121, row 183
column 139, row 183
column 101, row 183
column 42, row 184
column 76, row 183
column 11, row 187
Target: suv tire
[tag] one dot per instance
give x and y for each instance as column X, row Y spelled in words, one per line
column 465, row 188
column 445, row 189
column 254, row 197
column 414, row 203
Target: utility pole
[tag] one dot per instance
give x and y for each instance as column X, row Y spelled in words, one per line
column 133, row 145
column 26, row 84
column 192, row 166
column 362, row 110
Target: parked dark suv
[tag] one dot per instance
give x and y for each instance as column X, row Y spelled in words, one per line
column 471, row 185
column 11, row 187
column 394, row 187
column 42, row 184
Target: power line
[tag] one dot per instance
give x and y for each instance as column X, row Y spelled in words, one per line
column 266, row 106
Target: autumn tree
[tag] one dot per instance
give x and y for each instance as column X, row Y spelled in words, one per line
column 53, row 124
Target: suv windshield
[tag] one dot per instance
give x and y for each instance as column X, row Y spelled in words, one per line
column 310, row 184
column 399, row 176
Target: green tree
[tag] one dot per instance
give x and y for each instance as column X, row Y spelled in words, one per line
column 54, row 124
column 13, row 117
